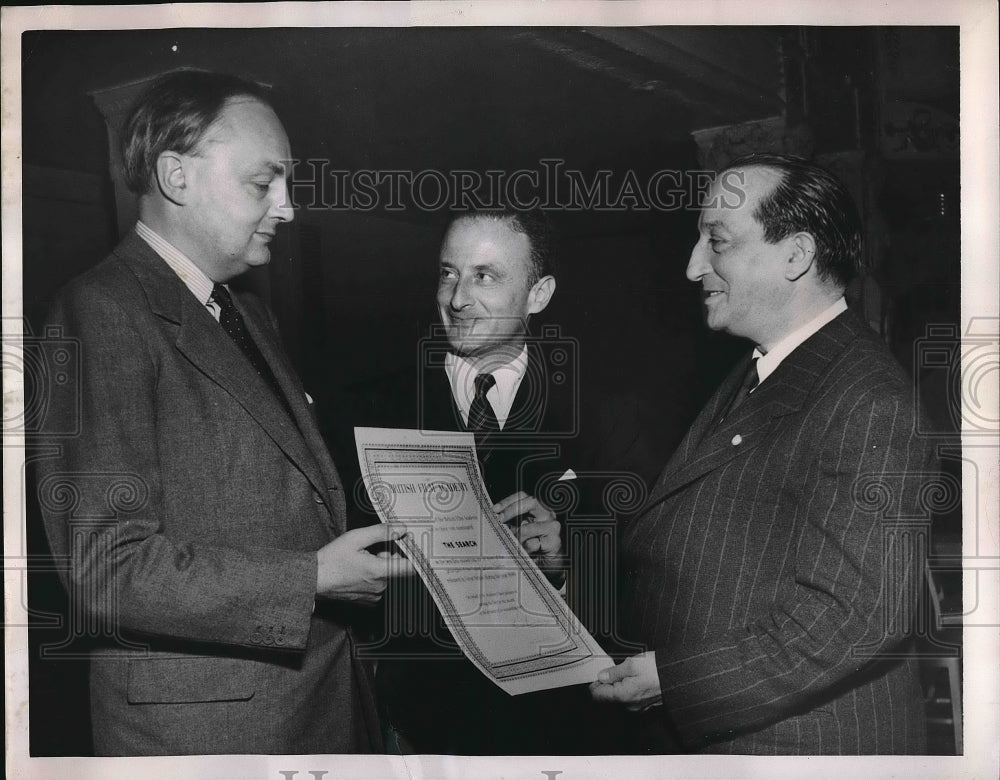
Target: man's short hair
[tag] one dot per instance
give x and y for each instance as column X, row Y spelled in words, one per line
column 534, row 225
column 173, row 115
column 811, row 200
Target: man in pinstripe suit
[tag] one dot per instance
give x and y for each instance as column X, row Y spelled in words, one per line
column 768, row 573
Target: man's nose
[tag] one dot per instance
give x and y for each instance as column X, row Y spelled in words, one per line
column 460, row 297
column 697, row 265
column 281, row 204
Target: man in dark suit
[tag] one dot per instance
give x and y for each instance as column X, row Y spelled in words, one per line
column 199, row 509
column 769, row 573
column 537, row 432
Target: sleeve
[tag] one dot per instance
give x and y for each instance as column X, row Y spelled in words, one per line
column 101, row 499
column 857, row 576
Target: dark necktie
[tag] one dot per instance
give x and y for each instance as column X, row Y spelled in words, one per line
column 232, row 323
column 750, row 381
column 481, row 414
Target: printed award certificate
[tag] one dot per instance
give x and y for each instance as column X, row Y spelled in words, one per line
column 504, row 614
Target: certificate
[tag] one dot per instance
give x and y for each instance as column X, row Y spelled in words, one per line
column 505, row 615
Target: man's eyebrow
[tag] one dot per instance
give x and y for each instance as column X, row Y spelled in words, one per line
column 274, row 168
column 492, row 268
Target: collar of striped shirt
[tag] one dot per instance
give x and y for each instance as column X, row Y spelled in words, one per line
column 192, row 276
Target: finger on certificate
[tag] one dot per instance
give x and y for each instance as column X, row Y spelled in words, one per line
column 523, row 504
column 500, row 506
column 603, row 692
column 528, row 529
column 603, row 687
column 617, row 673
column 531, row 545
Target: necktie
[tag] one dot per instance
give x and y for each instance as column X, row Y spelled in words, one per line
column 481, row 414
column 232, row 323
column 750, row 381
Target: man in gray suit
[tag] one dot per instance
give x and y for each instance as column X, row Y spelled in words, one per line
column 199, row 509
column 775, row 567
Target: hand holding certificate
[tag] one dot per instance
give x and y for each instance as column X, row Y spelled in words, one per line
column 503, row 612
column 537, row 530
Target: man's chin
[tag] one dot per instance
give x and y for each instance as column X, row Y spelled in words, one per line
column 471, row 349
column 463, row 349
column 715, row 321
column 260, row 257
column 459, row 339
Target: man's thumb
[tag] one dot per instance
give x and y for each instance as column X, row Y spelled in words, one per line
column 373, row 534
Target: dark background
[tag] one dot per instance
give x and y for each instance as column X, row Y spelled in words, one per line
column 354, row 290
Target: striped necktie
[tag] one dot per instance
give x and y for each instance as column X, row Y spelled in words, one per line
column 481, row 414
column 232, row 323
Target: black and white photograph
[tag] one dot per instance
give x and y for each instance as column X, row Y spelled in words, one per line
column 548, row 390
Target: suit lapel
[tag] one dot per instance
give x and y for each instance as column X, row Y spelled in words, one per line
column 437, row 409
column 533, row 403
column 266, row 341
column 706, row 448
column 206, row 346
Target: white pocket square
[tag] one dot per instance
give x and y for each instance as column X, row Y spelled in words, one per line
column 309, row 399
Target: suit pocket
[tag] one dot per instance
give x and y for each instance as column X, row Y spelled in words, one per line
column 190, row 679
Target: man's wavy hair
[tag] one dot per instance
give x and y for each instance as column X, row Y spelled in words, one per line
column 533, row 224
column 174, row 115
column 811, row 200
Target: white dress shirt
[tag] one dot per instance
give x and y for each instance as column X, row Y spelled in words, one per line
column 462, row 376
column 768, row 362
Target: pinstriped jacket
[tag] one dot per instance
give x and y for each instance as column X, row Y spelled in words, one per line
column 195, row 507
column 777, row 563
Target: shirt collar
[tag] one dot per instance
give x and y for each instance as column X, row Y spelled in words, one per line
column 767, row 363
column 462, row 376
column 192, row 276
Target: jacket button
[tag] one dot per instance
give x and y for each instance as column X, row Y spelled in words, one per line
column 737, row 440
column 317, row 497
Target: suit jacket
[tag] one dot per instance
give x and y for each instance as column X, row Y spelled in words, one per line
column 777, row 564
column 554, row 427
column 440, row 701
column 191, row 506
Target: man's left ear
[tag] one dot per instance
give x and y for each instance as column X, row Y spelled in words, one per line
column 540, row 294
column 802, row 255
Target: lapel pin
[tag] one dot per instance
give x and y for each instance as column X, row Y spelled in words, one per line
column 737, row 440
